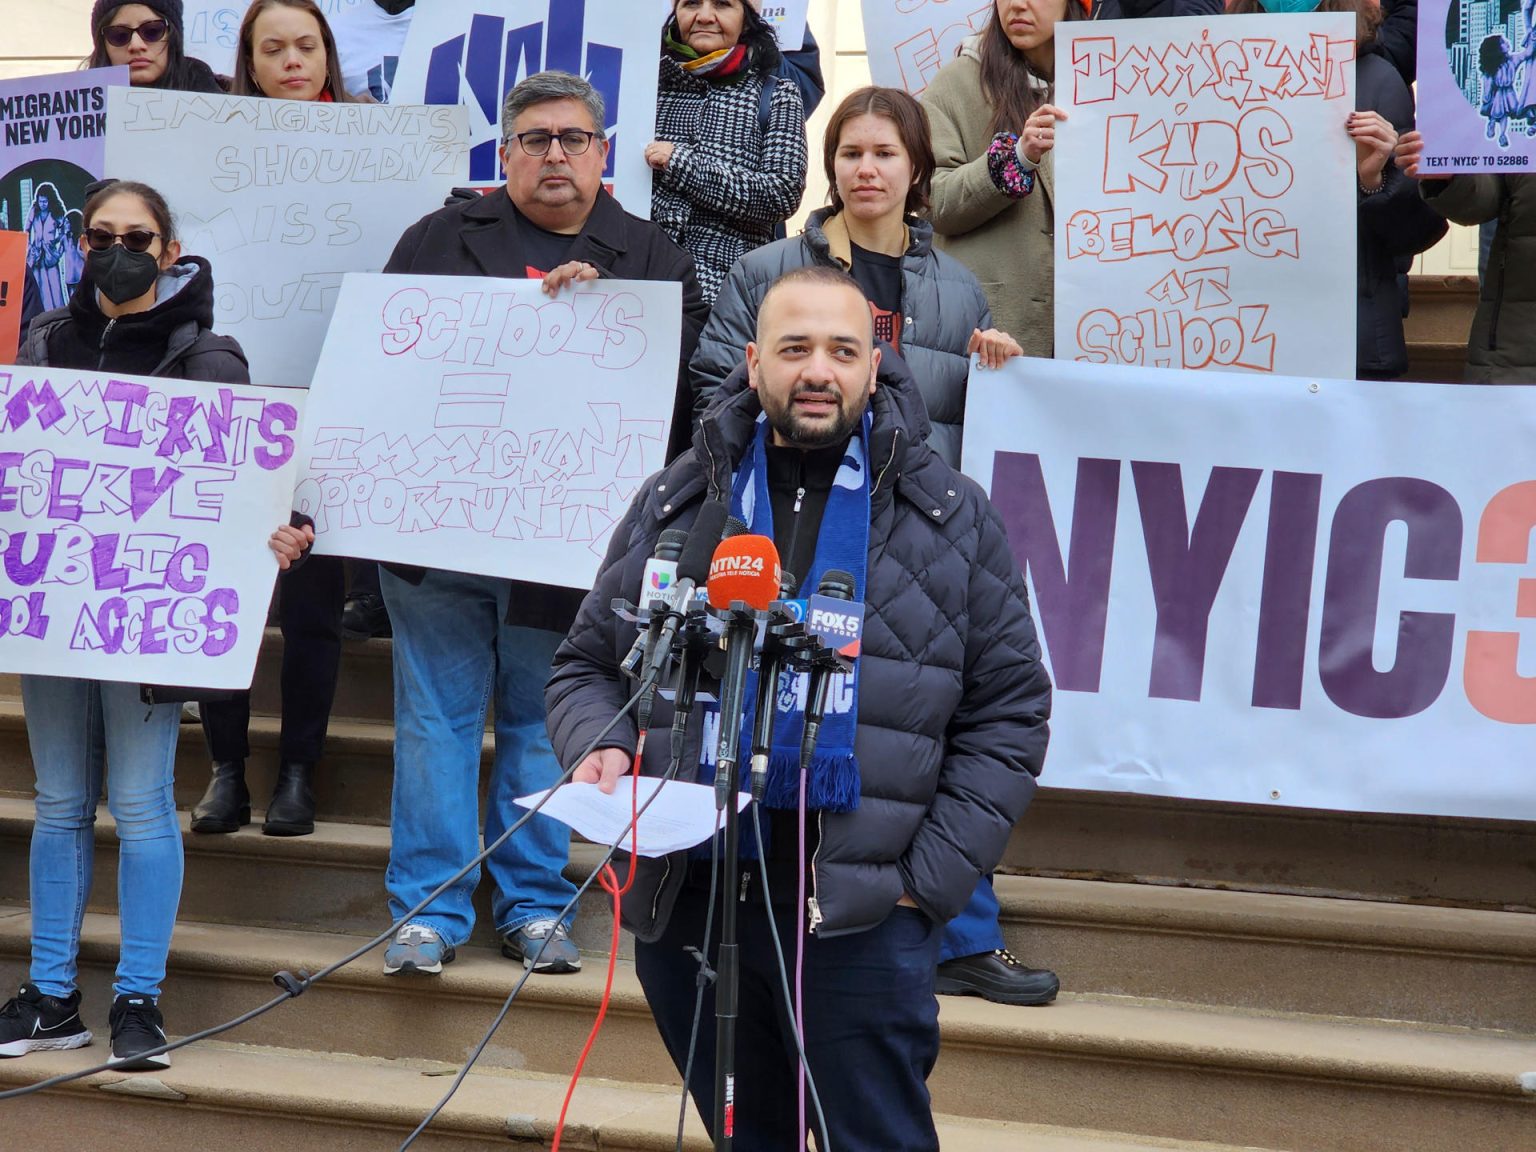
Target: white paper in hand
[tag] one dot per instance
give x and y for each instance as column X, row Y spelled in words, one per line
column 680, row 817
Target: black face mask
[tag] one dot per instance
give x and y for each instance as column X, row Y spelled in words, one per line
column 121, row 275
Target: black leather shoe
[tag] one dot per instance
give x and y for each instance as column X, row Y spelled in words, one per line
column 292, row 811
column 998, row 977
column 226, row 804
column 365, row 618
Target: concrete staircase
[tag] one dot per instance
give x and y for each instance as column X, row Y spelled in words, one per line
column 1236, row 977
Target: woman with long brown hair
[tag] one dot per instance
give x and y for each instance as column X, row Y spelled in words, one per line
column 994, row 126
column 285, row 50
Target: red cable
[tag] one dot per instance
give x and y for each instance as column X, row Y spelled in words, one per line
column 609, row 879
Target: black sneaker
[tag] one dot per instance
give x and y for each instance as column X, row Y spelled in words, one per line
column 137, row 1026
column 33, row 1022
column 998, row 977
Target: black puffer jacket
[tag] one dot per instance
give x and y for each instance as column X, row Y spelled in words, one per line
column 942, row 303
column 953, row 698
column 173, row 339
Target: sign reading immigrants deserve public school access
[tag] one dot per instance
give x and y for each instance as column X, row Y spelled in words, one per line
column 1274, row 590
column 472, row 52
column 283, row 197
column 1205, row 193
column 908, row 41
column 134, row 517
column 478, row 425
column 1477, row 85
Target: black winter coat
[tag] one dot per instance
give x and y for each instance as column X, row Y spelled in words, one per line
column 953, row 697
column 173, row 339
column 1394, row 225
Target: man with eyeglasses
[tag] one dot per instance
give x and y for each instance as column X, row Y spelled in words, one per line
column 456, row 635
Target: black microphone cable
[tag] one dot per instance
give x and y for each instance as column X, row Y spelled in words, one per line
column 295, row 986
column 705, row 978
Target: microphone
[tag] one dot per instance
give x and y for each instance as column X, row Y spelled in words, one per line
column 745, row 570
column 692, row 569
column 833, row 616
column 656, row 584
column 770, row 668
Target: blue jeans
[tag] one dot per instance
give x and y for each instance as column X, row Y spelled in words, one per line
column 453, row 648
column 74, row 727
column 976, row 928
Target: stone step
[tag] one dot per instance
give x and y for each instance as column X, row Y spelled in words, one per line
column 237, row 1095
column 1254, row 951
column 1311, row 1084
column 1119, row 837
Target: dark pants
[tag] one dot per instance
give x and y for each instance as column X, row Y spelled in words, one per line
column 310, row 599
column 871, row 1023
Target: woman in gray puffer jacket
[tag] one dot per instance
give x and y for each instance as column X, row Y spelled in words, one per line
column 927, row 305
column 729, row 157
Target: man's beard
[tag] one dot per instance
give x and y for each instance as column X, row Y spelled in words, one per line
column 805, row 434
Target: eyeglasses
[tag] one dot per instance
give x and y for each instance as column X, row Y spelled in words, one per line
column 573, row 141
column 135, row 239
column 121, row 35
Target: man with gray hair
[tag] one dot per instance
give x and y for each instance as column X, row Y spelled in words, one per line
column 462, row 639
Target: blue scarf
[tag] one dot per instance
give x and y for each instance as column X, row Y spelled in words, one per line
column 843, row 543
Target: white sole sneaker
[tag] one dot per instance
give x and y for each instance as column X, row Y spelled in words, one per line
column 140, row 1063
column 44, row 1044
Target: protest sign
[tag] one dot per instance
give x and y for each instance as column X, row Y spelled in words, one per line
column 13, row 268
column 477, row 425
column 1269, row 589
column 51, row 150
column 134, row 517
column 788, row 19
column 908, row 41
column 283, row 197
column 474, row 51
column 1477, row 85
column 1206, row 193
column 213, row 28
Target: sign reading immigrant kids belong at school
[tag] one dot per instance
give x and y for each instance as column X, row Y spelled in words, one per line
column 1274, row 590
column 1205, row 193
column 1477, row 86
column 472, row 52
column 283, row 197
column 51, row 149
column 478, row 425
column 134, row 517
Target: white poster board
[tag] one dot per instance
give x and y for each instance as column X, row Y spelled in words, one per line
column 472, row 52
column 283, row 197
column 908, row 41
column 789, row 18
column 213, row 28
column 134, row 517
column 478, row 425
column 1205, row 194
column 1268, row 589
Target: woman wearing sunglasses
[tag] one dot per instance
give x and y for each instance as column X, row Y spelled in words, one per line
column 147, row 37
column 285, row 51
column 143, row 309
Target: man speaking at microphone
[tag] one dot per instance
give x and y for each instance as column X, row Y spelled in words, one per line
column 927, row 757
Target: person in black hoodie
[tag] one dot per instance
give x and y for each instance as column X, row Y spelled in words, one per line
column 142, row 309
column 148, row 37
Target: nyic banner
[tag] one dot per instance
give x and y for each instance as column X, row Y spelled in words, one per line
column 479, row 426
column 1274, row 590
column 1206, row 193
column 472, row 52
column 1477, row 85
column 134, row 516
column 283, row 197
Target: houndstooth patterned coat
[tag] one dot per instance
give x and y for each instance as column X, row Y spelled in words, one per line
column 728, row 183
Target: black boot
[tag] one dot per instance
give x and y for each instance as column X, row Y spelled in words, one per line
column 226, row 805
column 292, row 811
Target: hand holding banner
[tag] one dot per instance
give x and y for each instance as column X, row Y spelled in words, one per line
column 134, row 516
column 477, row 425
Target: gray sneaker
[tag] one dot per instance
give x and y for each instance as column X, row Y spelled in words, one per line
column 558, row 955
column 416, row 948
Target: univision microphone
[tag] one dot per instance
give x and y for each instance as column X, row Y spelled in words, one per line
column 743, row 584
column 655, row 589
